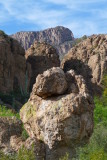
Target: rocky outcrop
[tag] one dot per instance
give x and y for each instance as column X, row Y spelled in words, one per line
column 59, row 37
column 11, row 137
column 41, row 56
column 13, row 67
column 51, row 82
column 31, row 143
column 8, row 128
column 89, row 58
column 59, row 122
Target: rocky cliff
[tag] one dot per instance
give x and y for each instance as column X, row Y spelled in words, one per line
column 59, row 114
column 89, row 58
column 13, row 65
column 41, row 56
column 59, row 37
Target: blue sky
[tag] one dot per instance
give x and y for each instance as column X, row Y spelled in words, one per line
column 81, row 16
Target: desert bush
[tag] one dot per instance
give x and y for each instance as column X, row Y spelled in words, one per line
column 23, row 154
column 65, row 157
column 2, row 33
column 24, row 134
column 4, row 112
column 97, row 147
column 78, row 40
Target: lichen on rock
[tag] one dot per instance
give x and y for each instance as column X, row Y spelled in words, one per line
column 63, row 121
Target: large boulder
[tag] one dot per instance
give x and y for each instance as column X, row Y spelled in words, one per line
column 60, row 122
column 13, row 67
column 51, row 82
column 89, row 58
column 41, row 56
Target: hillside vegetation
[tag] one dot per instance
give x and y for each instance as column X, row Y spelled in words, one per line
column 97, row 147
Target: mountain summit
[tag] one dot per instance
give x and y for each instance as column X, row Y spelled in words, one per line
column 59, row 37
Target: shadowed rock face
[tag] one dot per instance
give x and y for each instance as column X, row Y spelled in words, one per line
column 41, row 56
column 13, row 66
column 60, row 121
column 8, row 128
column 59, row 37
column 89, row 58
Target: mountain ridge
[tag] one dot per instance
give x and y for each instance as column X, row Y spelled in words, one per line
column 60, row 37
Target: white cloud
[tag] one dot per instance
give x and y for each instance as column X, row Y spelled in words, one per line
column 40, row 13
column 31, row 11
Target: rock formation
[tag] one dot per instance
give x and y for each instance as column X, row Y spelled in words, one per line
column 41, row 56
column 13, row 66
column 11, row 137
column 8, row 128
column 53, row 82
column 89, row 58
column 59, row 121
column 59, row 37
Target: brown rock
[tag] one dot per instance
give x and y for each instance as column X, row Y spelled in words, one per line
column 61, row 122
column 16, row 142
column 13, row 66
column 51, row 82
column 8, row 128
column 41, row 56
column 89, row 58
column 31, row 143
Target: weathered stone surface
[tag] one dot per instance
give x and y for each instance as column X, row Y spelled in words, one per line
column 89, row 58
column 41, row 56
column 13, row 65
column 51, row 82
column 8, row 128
column 59, row 37
column 61, row 122
column 16, row 142
column 31, row 143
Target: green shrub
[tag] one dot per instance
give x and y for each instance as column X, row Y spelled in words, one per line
column 78, row 40
column 24, row 134
column 97, row 147
column 2, row 33
column 4, row 112
column 100, row 112
column 7, row 157
column 23, row 154
column 65, row 157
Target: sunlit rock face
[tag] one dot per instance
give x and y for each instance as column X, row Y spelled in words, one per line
column 89, row 58
column 59, row 37
column 59, row 121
